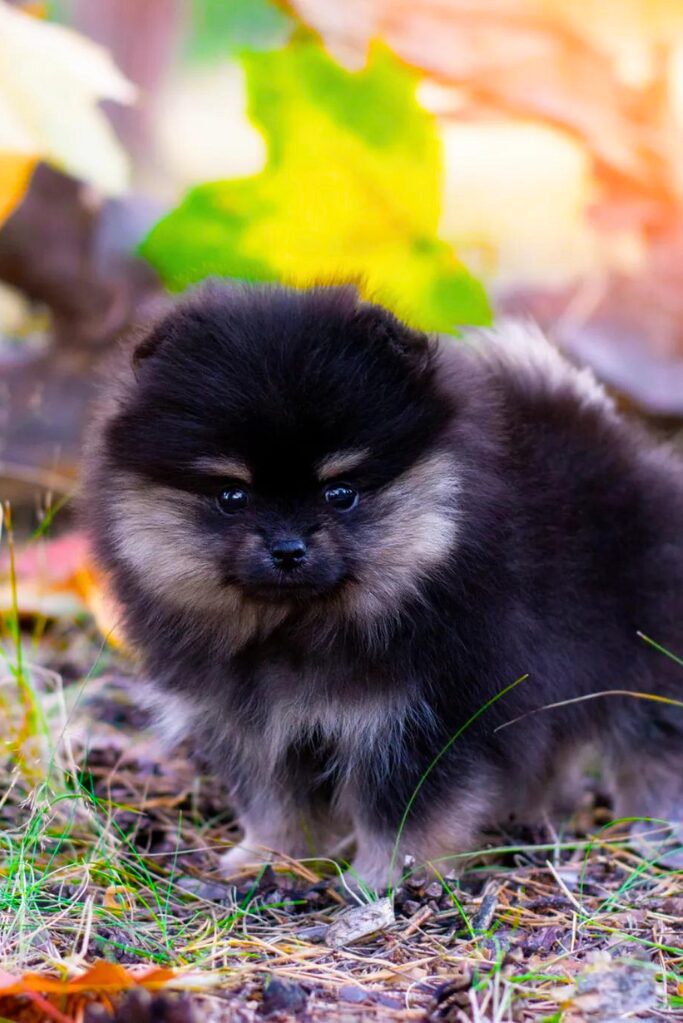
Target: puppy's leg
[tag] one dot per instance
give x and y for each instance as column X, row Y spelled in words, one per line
column 273, row 810
column 281, row 813
column 273, row 824
column 372, row 865
column 563, row 792
column 650, row 786
column 436, row 833
column 437, row 845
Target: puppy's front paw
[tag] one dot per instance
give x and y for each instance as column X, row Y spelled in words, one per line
column 370, row 871
column 243, row 859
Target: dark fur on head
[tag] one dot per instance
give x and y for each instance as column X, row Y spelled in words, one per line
column 508, row 522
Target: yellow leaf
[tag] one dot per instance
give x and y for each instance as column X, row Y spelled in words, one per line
column 116, row 898
column 15, row 174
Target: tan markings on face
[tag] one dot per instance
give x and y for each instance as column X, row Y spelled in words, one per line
column 156, row 537
column 341, row 462
column 416, row 527
column 228, row 468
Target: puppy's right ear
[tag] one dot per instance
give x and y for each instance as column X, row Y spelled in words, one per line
column 149, row 335
column 166, row 318
column 147, row 347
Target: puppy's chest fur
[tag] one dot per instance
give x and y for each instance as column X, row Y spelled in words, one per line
column 269, row 701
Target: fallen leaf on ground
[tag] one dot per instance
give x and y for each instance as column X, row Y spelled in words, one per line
column 101, row 976
column 360, row 922
column 58, row 578
column 38, row 993
column 608, row 989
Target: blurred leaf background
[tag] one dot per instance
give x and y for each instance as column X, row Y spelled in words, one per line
column 342, row 195
column 457, row 160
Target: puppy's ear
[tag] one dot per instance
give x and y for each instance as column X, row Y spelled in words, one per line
column 146, row 347
column 383, row 328
column 168, row 318
column 149, row 333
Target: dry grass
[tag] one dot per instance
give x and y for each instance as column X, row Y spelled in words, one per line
column 109, row 849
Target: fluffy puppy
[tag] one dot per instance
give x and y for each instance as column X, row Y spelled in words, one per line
column 336, row 540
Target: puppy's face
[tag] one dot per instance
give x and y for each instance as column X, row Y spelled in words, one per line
column 280, row 448
column 287, row 525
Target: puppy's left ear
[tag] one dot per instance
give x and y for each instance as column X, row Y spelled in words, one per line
column 383, row 328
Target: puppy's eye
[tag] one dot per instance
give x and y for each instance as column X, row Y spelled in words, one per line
column 341, row 496
column 232, row 500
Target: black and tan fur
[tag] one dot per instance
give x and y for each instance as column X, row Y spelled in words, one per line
column 510, row 522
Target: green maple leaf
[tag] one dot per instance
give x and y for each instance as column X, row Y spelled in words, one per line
column 351, row 191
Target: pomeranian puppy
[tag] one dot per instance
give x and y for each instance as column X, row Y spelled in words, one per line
column 337, row 542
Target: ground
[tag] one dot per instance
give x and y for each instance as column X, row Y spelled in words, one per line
column 112, row 854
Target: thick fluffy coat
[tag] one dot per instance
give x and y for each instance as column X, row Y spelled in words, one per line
column 335, row 540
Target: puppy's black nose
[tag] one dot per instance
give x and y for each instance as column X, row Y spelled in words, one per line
column 288, row 553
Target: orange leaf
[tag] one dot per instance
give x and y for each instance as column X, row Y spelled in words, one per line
column 115, row 897
column 519, row 59
column 101, row 976
column 91, row 586
column 59, row 577
column 48, row 1011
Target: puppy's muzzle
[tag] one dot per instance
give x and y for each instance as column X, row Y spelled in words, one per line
column 288, row 553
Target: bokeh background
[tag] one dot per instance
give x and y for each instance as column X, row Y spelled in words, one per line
column 459, row 159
